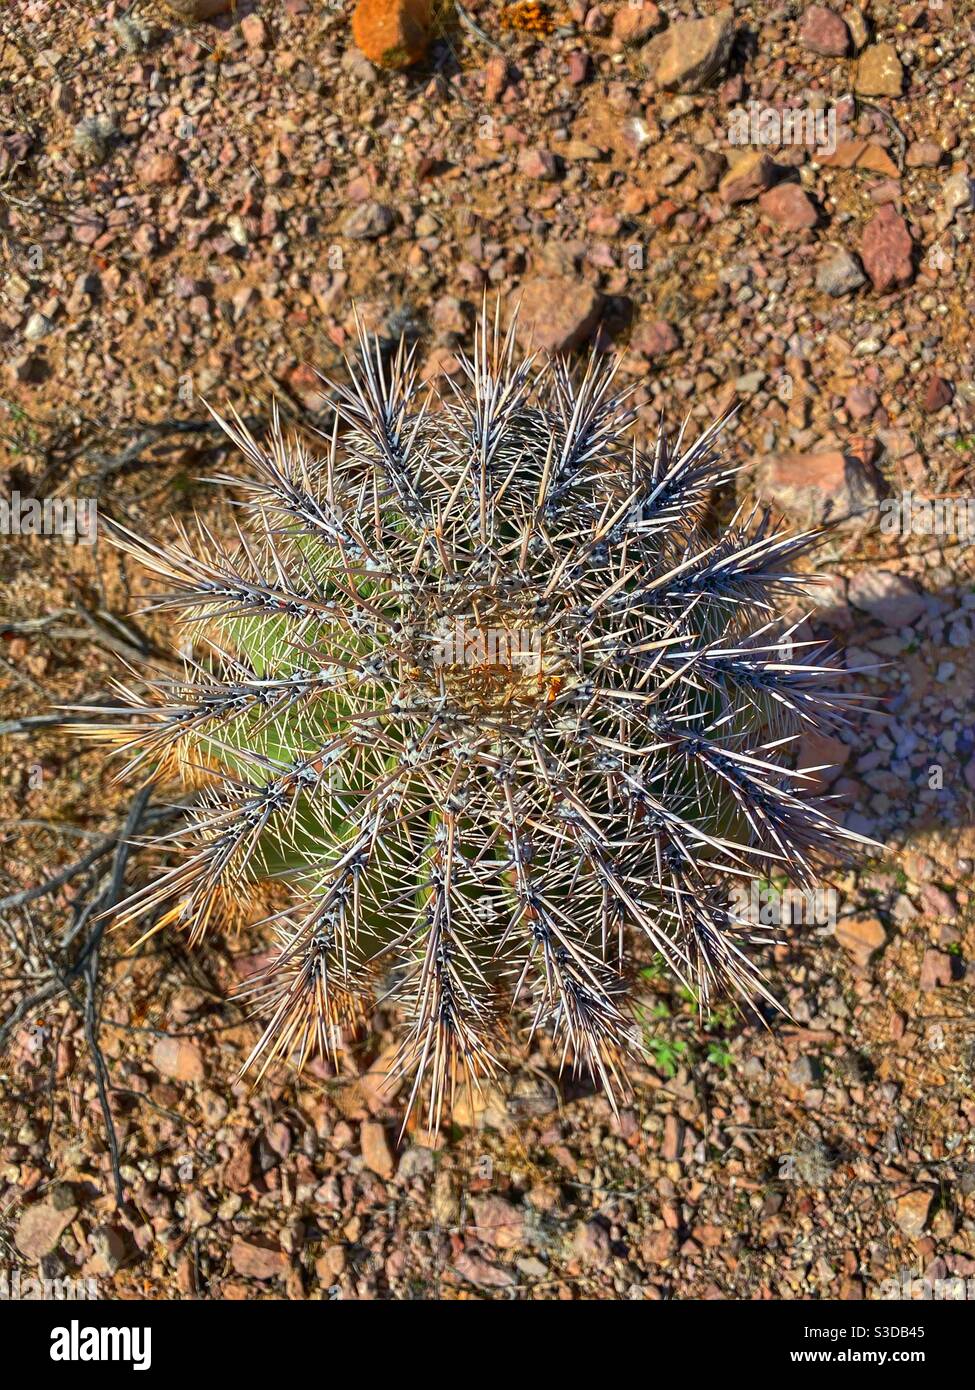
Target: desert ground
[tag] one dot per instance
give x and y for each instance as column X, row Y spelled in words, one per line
column 190, row 211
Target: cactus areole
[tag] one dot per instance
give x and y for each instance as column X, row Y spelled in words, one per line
column 481, row 691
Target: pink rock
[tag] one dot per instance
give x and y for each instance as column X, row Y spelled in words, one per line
column 145, row 239
column 673, row 1138
column 199, row 9
column 496, row 74
column 439, row 361
column 889, row 598
column 481, row 1272
column 935, row 970
column 828, row 485
column 558, row 312
column 254, row 31
column 634, row 24
column 538, row 164
column 160, row 168
column 258, row 1258
column 696, row 52
column 824, row 32
column 859, row 154
column 178, row 1058
column 938, row 394
column 861, row 402
column 498, row 1222
column 42, row 1225
column 88, row 229
column 886, row 250
column 591, row 1243
column 937, row 903
column 789, row 206
column 911, row 1211
column 658, row 1246
column 654, row 339
column 577, row 67
column 923, row 154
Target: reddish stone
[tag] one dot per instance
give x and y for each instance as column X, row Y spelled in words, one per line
column 696, row 52
column 179, row 1059
column 886, row 250
column 747, row 178
column 911, row 1210
column 654, row 339
column 538, row 164
column 634, row 24
column 157, row 169
column 859, row 154
column 658, row 1247
column 481, row 1272
column 376, row 1153
column 238, row 1171
column 935, row 970
column 42, row 1225
column 498, row 1222
column 557, row 312
column 664, row 213
column 440, row 361
column 496, row 75
column 258, row 1258
column 938, row 394
column 923, row 154
column 861, row 402
column 577, row 68
column 824, row 752
column 862, row 937
column 254, row 31
column 824, row 32
column 199, row 9
column 813, row 488
column 789, row 206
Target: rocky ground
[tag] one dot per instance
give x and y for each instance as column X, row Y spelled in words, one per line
column 189, row 210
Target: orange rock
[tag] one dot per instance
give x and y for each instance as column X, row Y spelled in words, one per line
column 178, row 1058
column 863, row 937
column 392, row 33
column 858, row 154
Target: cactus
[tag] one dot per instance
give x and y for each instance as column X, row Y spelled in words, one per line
column 486, row 697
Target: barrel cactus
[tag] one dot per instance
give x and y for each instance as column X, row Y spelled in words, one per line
column 482, row 689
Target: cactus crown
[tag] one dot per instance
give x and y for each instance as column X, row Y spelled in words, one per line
column 480, row 688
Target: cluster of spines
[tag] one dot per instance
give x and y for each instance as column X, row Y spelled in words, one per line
column 466, row 835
